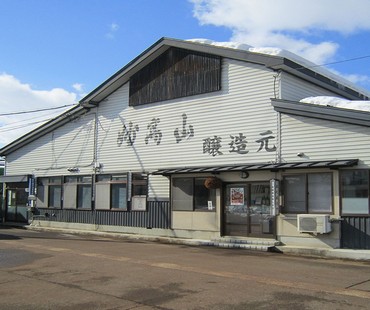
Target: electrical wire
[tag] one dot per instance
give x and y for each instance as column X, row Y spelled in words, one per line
column 6, row 129
column 39, row 110
column 27, row 122
column 333, row 63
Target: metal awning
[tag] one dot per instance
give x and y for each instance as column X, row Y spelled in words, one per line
column 14, row 178
column 332, row 164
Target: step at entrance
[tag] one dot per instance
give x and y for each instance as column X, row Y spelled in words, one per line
column 255, row 244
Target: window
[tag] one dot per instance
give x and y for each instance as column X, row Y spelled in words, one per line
column 308, row 193
column 78, row 192
column 111, row 192
column 121, row 191
column 355, row 191
column 189, row 194
column 84, row 196
column 49, row 192
column 139, row 191
column 55, row 192
column 204, row 198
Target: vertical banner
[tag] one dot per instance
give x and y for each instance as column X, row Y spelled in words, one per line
column 129, row 186
column 274, row 196
column 31, row 192
column 31, row 186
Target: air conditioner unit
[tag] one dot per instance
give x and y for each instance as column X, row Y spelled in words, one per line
column 313, row 223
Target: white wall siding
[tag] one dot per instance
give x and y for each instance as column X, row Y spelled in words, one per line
column 242, row 106
column 159, row 187
column 323, row 140
column 294, row 88
column 68, row 146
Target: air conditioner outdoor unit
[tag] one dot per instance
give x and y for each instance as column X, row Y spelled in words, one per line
column 314, row 223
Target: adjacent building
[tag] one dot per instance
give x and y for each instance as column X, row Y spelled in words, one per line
column 197, row 140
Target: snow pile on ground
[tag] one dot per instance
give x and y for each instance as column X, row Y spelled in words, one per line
column 336, row 102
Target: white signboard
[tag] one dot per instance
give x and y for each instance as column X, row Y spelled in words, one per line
column 138, row 203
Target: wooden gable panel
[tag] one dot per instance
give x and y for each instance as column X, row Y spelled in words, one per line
column 176, row 73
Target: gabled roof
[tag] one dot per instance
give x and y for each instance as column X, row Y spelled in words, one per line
column 329, row 113
column 122, row 76
column 270, row 61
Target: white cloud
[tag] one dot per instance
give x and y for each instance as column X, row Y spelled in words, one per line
column 354, row 78
column 78, row 87
column 18, row 97
column 113, row 28
column 284, row 23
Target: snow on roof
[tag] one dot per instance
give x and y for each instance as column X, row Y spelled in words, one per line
column 275, row 51
column 336, row 102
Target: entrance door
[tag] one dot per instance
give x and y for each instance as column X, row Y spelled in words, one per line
column 16, row 205
column 236, row 210
column 247, row 210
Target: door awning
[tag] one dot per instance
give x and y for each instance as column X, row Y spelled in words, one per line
column 332, row 164
column 14, row 178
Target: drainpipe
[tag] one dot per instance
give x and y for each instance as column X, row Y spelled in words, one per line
column 96, row 165
column 278, row 150
column 277, row 95
column 3, row 196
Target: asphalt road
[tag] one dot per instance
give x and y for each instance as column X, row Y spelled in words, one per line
column 58, row 270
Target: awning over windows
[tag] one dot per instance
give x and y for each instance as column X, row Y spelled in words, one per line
column 332, row 164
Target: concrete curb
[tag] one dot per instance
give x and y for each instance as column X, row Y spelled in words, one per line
column 358, row 255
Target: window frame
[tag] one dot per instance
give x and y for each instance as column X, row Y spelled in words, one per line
column 192, row 205
column 52, row 185
column 110, row 181
column 44, row 189
column 138, row 198
column 307, row 210
column 72, row 185
column 341, row 191
column 136, row 190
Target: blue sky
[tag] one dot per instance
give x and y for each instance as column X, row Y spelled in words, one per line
column 53, row 52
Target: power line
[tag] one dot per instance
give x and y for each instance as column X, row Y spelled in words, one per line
column 334, row 62
column 35, row 111
column 5, row 129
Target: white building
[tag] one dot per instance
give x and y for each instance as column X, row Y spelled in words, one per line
column 196, row 140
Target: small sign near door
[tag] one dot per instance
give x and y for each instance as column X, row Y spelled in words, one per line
column 237, row 196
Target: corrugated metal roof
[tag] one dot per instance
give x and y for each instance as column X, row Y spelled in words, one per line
column 332, row 164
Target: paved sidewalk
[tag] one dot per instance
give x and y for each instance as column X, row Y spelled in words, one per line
column 362, row 255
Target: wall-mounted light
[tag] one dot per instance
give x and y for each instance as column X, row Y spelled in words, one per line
column 73, row 169
column 301, row 154
column 244, row 174
column 97, row 167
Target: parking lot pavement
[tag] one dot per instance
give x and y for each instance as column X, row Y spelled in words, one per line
column 54, row 270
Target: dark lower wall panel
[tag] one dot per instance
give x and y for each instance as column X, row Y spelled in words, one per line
column 157, row 215
column 355, row 232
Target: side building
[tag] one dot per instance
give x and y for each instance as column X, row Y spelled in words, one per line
column 201, row 141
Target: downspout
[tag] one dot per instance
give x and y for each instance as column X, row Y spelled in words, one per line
column 3, row 196
column 96, row 165
column 277, row 95
column 275, row 183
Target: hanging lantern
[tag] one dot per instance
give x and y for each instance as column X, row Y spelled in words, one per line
column 212, row 183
